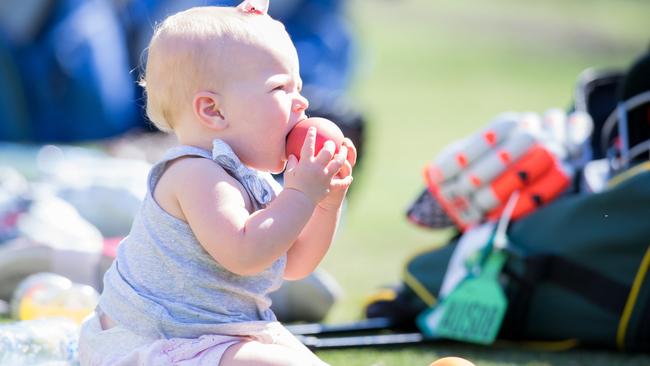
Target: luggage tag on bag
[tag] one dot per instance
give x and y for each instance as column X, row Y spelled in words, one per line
column 474, row 310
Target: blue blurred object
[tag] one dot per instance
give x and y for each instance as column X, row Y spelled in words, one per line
column 68, row 68
column 68, row 79
column 317, row 27
column 323, row 40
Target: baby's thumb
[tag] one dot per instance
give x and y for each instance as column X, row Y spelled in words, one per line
column 292, row 161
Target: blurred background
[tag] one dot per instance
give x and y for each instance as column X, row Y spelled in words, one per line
column 406, row 77
column 431, row 72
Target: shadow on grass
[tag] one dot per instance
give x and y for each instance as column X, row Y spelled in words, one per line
column 501, row 355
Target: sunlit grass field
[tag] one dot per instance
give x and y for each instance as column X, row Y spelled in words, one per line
column 433, row 71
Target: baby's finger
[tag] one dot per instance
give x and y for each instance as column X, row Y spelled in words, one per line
column 338, row 161
column 345, row 170
column 326, row 153
column 352, row 151
column 342, row 153
column 341, row 182
column 309, row 145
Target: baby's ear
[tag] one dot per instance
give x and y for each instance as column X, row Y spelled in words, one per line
column 206, row 108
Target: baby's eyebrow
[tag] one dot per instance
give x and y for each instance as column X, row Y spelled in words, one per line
column 279, row 78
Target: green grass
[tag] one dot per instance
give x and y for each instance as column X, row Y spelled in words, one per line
column 431, row 72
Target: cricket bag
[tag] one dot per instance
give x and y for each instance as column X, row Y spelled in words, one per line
column 576, row 272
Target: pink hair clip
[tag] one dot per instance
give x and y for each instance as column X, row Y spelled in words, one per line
column 254, row 6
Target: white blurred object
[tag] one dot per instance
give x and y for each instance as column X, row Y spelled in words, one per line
column 579, row 129
column 52, row 237
column 46, row 342
column 595, row 176
column 12, row 185
column 531, row 122
column 554, row 122
column 306, row 300
column 77, row 166
column 109, row 208
column 52, row 220
column 106, row 191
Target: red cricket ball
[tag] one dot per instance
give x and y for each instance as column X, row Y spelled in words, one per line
column 325, row 130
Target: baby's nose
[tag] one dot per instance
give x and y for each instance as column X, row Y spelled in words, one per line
column 300, row 104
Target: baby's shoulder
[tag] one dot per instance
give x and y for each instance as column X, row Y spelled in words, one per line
column 188, row 180
column 200, row 175
column 189, row 169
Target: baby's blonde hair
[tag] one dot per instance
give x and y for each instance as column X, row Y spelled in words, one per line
column 184, row 57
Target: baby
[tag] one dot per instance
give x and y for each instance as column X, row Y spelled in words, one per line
column 215, row 233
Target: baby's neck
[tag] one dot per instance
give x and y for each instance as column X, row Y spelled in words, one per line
column 199, row 139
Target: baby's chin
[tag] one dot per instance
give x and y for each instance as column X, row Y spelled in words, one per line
column 279, row 168
column 283, row 166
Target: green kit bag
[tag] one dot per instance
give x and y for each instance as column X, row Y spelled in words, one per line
column 576, row 272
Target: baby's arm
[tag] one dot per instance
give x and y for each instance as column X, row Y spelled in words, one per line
column 315, row 239
column 214, row 206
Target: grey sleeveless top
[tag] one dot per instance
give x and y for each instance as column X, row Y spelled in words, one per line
column 163, row 284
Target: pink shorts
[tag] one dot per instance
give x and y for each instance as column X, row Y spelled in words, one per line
column 118, row 346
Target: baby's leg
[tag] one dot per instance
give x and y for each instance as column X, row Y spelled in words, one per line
column 253, row 353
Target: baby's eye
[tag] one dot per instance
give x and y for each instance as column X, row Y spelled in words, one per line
column 279, row 87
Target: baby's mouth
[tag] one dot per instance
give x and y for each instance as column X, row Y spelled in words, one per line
column 286, row 136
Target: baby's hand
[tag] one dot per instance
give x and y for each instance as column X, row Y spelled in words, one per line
column 343, row 179
column 313, row 175
column 351, row 159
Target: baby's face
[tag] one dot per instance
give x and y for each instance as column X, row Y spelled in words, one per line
column 261, row 101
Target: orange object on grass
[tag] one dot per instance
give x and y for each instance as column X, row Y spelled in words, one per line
column 451, row 361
